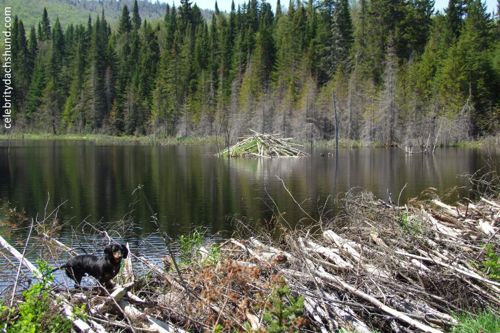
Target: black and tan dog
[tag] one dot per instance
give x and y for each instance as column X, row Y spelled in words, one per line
column 103, row 269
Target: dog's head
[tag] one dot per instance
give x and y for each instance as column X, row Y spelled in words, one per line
column 116, row 252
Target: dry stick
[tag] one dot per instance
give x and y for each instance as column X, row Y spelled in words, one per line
column 120, row 324
column 294, row 200
column 171, row 253
column 461, row 271
column 117, row 293
column 58, row 243
column 19, row 267
column 20, row 257
column 397, row 314
column 358, row 324
column 338, row 282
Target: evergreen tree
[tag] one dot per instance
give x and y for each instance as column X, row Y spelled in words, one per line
column 125, row 25
column 391, row 63
column 342, row 31
column 467, row 81
column 45, row 31
column 21, row 64
column 136, row 18
column 455, row 16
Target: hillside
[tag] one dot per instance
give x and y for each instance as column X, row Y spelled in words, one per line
column 78, row 11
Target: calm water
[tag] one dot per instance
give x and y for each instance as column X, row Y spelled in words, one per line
column 186, row 186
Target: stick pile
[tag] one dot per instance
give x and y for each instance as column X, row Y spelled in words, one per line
column 263, row 145
column 378, row 267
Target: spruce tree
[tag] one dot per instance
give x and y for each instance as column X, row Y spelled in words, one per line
column 124, row 25
column 455, row 16
column 45, row 31
column 136, row 18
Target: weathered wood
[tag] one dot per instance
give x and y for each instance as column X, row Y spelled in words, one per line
column 25, row 262
column 263, row 146
column 356, row 291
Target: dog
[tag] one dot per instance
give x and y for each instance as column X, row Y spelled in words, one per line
column 103, row 269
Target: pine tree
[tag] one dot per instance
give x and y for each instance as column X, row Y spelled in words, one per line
column 125, row 25
column 45, row 31
column 342, row 31
column 57, row 53
column 21, row 64
column 136, row 18
column 455, row 16
column 278, row 9
column 466, row 79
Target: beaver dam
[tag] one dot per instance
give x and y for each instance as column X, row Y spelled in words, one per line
column 381, row 268
column 263, row 145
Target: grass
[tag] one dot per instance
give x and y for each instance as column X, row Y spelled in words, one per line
column 190, row 244
column 491, row 266
column 343, row 143
column 111, row 139
column 484, row 322
column 489, row 143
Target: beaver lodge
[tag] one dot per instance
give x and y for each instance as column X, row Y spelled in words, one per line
column 378, row 267
column 263, row 145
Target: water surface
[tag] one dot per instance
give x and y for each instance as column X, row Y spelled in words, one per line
column 187, row 186
column 120, row 188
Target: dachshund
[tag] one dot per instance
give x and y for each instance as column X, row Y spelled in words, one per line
column 103, row 269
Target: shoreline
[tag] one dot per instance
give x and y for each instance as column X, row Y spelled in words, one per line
column 489, row 143
column 382, row 268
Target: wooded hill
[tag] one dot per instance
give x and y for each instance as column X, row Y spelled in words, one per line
column 78, row 11
column 401, row 73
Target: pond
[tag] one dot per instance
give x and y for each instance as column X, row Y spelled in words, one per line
column 186, row 186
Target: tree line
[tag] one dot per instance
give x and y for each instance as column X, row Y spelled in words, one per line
column 397, row 72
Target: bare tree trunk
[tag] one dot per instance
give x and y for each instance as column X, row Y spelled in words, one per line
column 335, row 115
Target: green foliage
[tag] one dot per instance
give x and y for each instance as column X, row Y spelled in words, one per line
column 395, row 65
column 217, row 328
column 190, row 244
column 410, row 223
column 484, row 322
column 491, row 265
column 80, row 311
column 4, row 312
column 283, row 310
column 214, row 254
column 37, row 312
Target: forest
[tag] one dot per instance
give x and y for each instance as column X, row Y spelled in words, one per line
column 393, row 72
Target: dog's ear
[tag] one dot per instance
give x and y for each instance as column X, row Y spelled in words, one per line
column 108, row 251
column 124, row 251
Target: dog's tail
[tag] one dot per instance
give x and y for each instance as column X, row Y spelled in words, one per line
column 58, row 268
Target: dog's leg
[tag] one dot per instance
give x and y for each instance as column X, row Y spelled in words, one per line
column 78, row 281
column 74, row 276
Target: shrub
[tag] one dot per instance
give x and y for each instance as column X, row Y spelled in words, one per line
column 36, row 312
